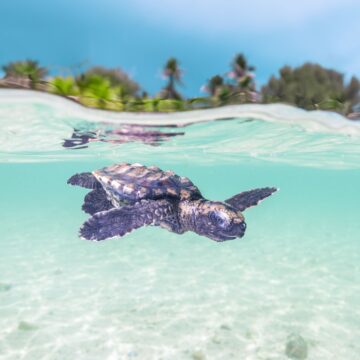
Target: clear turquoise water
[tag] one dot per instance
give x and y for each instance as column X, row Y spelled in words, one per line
column 158, row 295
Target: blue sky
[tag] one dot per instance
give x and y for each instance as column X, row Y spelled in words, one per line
column 139, row 35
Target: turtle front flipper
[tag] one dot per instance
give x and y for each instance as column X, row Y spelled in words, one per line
column 250, row 198
column 86, row 180
column 96, row 201
column 120, row 221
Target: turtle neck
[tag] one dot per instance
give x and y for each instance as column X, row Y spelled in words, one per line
column 187, row 213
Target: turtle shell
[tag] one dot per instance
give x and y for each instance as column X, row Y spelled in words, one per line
column 129, row 183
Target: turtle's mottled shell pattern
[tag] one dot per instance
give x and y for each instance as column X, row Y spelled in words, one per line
column 129, row 183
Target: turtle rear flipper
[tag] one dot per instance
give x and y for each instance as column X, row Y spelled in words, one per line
column 96, row 201
column 120, row 221
column 86, row 180
column 250, row 198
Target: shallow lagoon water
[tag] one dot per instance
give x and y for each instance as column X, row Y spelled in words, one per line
column 158, row 295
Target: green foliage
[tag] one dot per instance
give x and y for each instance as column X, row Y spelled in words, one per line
column 64, row 86
column 199, row 103
column 170, row 105
column 310, row 87
column 116, row 78
column 352, row 91
column 28, row 69
column 99, row 91
column 134, row 105
column 151, row 105
column 224, row 95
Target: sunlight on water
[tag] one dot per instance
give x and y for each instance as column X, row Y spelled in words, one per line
column 158, row 295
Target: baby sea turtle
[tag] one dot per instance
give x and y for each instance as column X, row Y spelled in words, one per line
column 125, row 197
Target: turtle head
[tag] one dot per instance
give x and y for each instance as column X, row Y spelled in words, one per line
column 219, row 221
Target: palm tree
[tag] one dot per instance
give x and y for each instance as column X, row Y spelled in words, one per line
column 214, row 85
column 172, row 72
column 242, row 73
column 26, row 69
column 64, row 86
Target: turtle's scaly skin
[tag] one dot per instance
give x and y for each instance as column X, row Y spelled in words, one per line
column 128, row 196
column 96, row 201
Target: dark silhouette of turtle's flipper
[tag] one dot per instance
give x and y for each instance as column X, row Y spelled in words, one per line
column 120, row 221
column 86, row 180
column 96, row 201
column 250, row 198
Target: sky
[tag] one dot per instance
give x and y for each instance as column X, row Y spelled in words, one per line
column 140, row 35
